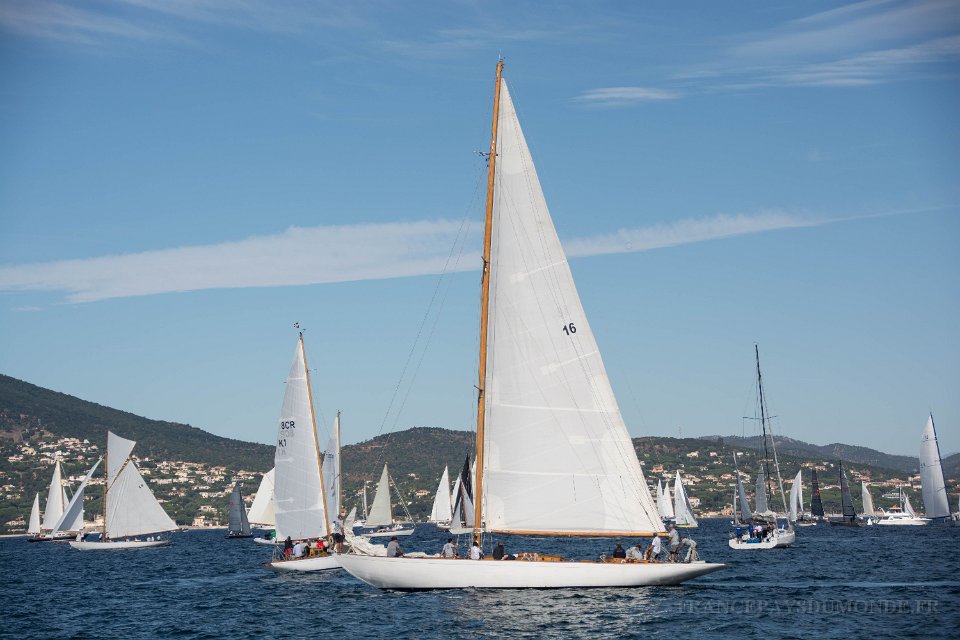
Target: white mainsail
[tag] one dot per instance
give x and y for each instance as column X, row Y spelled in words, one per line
column 907, row 506
column 380, row 512
column 331, row 470
column 681, row 505
column 55, row 500
column 931, row 474
column 298, row 487
column 132, row 508
column 261, row 511
column 795, row 508
column 72, row 518
column 558, row 456
column 442, row 510
column 34, row 524
column 868, row 509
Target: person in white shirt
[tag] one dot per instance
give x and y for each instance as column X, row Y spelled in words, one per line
column 475, row 552
column 298, row 550
column 635, row 553
column 448, row 549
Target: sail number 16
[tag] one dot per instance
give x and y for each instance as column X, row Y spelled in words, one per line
column 569, row 329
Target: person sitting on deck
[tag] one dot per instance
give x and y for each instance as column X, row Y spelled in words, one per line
column 475, row 552
column 393, row 549
column 498, row 551
column 449, row 551
column 619, row 551
column 298, row 550
column 635, row 554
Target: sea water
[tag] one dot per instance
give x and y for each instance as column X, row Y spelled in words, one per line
column 836, row 582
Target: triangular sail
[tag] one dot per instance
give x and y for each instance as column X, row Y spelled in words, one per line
column 365, row 510
column 132, row 509
column 931, row 474
column 747, row 515
column 846, row 500
column 261, row 511
column 237, row 521
column 463, row 512
column 331, row 470
column 72, row 518
column 908, row 507
column 799, row 494
column 558, row 457
column 442, row 510
column 55, row 501
column 681, row 505
column 795, row 498
column 664, row 508
column 816, row 505
column 34, row 525
column 298, row 493
column 381, row 513
column 761, row 497
column 868, row 509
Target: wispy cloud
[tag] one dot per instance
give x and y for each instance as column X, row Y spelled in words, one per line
column 304, row 256
column 624, row 96
column 70, row 23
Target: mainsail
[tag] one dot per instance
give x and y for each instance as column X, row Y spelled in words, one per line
column 237, row 521
column 34, row 525
column 908, row 507
column 681, row 505
column 55, row 498
column 846, row 500
column 381, row 513
column 557, row 454
column 816, row 505
column 132, row 509
column 298, row 488
column 761, row 497
column 261, row 511
column 72, row 518
column 868, row 509
column 931, row 474
column 442, row 510
column 746, row 514
column 795, row 506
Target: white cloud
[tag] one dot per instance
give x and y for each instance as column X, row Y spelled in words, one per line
column 303, row 256
column 624, row 96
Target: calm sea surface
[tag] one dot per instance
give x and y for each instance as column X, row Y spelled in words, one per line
column 876, row 582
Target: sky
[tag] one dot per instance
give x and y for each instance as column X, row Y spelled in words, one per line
column 183, row 180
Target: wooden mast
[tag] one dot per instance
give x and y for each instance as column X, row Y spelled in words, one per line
column 316, row 442
column 485, row 306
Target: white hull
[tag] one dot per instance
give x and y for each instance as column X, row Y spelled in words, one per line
column 318, row 563
column 901, row 522
column 119, row 544
column 387, row 534
column 265, row 541
column 781, row 539
column 438, row 573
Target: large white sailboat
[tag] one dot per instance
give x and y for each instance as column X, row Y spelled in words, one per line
column 381, row 512
column 55, row 505
column 554, row 457
column 300, row 499
column 130, row 508
column 933, row 486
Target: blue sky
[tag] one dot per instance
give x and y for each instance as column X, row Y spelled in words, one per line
column 181, row 181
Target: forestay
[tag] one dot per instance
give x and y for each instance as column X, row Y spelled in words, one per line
column 931, row 474
column 558, row 457
column 298, row 495
column 380, row 513
column 131, row 507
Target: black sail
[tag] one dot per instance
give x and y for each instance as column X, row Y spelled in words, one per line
column 845, row 498
column 816, row 506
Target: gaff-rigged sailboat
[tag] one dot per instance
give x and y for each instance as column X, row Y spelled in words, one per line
column 55, row 506
column 553, row 455
column 130, row 508
column 300, row 499
column 772, row 534
column 381, row 513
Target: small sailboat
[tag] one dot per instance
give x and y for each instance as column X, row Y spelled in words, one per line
column 441, row 514
column 300, row 498
column 796, row 499
column 462, row 519
column 130, row 508
column 664, row 503
column 238, row 526
column 849, row 518
column 768, row 530
column 261, row 512
column 554, row 457
column 33, row 527
column 868, row 511
column 932, row 483
column 381, row 513
column 681, row 505
column 55, row 505
column 816, row 504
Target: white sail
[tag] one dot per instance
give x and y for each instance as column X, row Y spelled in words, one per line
column 34, row 526
column 799, row 494
column 365, row 509
column 261, row 511
column 298, row 492
column 55, row 502
column 558, row 455
column 131, row 507
column 681, row 505
column 931, row 474
column 442, row 510
column 72, row 518
column 380, row 512
column 907, row 506
column 795, row 508
column 868, row 509
column 331, row 470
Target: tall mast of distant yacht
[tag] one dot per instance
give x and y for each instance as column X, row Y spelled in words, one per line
column 316, row 442
column 485, row 305
column 764, row 418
